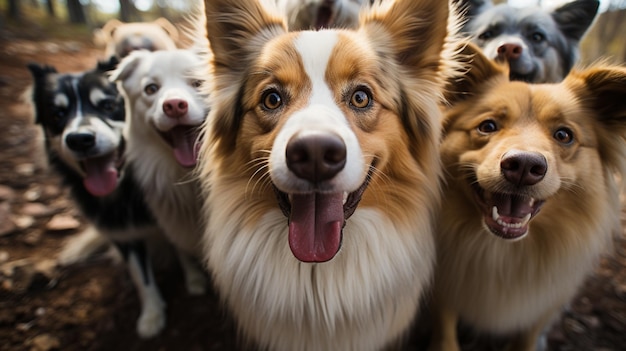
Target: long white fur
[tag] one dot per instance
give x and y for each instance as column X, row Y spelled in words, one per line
column 170, row 190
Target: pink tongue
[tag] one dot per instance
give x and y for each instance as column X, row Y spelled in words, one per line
column 315, row 226
column 101, row 177
column 185, row 151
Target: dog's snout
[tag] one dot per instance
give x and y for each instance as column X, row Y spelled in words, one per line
column 510, row 51
column 80, row 141
column 523, row 168
column 175, row 108
column 316, row 156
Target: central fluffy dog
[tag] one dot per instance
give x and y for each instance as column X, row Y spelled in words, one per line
column 321, row 171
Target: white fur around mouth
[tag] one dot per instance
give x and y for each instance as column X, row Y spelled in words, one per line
column 496, row 217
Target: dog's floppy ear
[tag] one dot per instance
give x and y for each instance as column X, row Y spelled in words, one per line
column 237, row 31
column 168, row 27
column 478, row 69
column 603, row 91
column 102, row 36
column 574, row 18
column 127, row 66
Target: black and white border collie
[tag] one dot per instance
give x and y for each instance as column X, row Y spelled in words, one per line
column 82, row 117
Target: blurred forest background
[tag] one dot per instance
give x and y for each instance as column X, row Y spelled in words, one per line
column 605, row 39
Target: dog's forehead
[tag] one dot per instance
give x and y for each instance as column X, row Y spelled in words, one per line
column 512, row 19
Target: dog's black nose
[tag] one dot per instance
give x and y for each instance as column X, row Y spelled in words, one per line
column 80, row 141
column 523, row 168
column 316, row 156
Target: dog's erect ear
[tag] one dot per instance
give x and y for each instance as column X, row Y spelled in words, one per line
column 415, row 31
column 478, row 70
column 39, row 74
column 168, row 27
column 38, row 71
column 127, row 66
column 574, row 18
column 237, row 29
column 603, row 90
column 108, row 65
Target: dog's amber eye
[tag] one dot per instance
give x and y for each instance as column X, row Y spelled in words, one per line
column 564, row 136
column 487, row 127
column 360, row 99
column 151, row 88
column 272, row 100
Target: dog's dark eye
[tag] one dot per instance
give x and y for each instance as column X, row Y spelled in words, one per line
column 196, row 83
column 537, row 37
column 360, row 99
column 487, row 127
column 272, row 100
column 486, row 35
column 564, row 136
column 151, row 88
column 107, row 105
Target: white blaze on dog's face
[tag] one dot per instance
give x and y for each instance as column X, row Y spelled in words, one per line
column 164, row 98
column 323, row 115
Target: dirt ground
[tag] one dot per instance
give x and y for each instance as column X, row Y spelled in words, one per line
column 93, row 306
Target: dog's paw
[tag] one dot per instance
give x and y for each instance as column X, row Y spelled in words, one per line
column 82, row 247
column 151, row 322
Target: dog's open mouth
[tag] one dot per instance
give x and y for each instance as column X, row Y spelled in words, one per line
column 507, row 215
column 102, row 172
column 316, row 221
column 182, row 139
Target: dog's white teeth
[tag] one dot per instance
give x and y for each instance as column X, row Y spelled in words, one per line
column 496, row 217
column 532, row 202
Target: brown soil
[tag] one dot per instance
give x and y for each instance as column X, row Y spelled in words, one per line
column 94, row 306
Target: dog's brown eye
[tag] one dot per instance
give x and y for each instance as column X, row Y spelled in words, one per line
column 564, row 136
column 486, row 35
column 151, row 89
column 196, row 83
column 487, row 127
column 272, row 100
column 360, row 99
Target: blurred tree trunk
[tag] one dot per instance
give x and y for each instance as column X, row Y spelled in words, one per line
column 161, row 6
column 15, row 11
column 50, row 8
column 128, row 11
column 76, row 12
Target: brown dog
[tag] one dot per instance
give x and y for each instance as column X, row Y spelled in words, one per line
column 530, row 197
column 119, row 38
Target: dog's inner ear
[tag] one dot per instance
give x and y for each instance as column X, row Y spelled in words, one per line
column 574, row 18
column 237, row 29
column 478, row 70
column 607, row 88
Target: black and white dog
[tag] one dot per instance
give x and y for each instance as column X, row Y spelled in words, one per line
column 82, row 117
column 540, row 45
